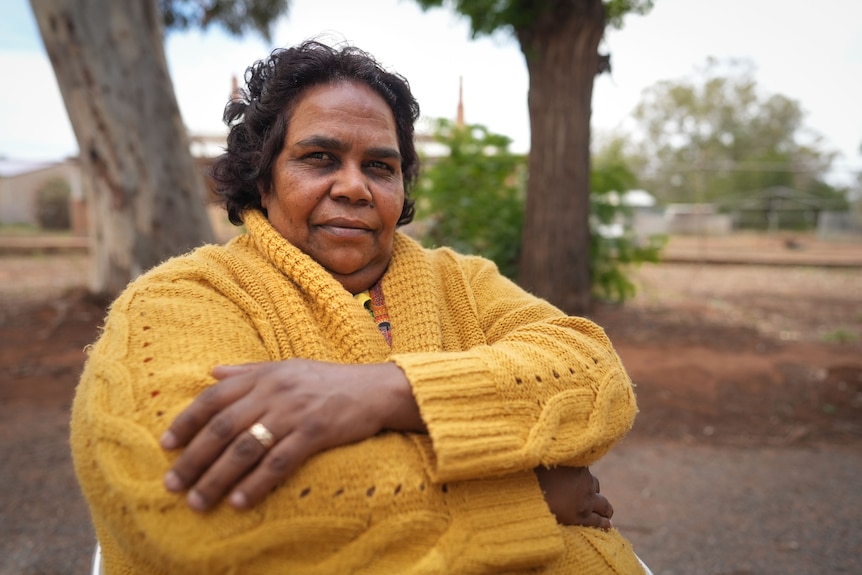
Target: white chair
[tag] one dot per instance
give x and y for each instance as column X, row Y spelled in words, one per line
column 97, row 561
column 646, row 569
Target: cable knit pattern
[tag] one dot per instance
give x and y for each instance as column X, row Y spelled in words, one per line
column 504, row 382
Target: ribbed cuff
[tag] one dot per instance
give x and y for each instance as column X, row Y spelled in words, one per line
column 473, row 432
column 509, row 526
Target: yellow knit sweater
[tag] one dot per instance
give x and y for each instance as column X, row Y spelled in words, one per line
column 504, row 382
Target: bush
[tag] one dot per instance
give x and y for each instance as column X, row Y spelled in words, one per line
column 475, row 196
column 52, row 205
column 611, row 255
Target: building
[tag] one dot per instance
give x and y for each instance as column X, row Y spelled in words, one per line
column 20, row 185
column 21, row 181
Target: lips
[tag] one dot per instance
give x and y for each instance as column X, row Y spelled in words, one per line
column 346, row 226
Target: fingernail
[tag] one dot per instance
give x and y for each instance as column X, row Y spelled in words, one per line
column 238, row 500
column 172, row 481
column 196, row 501
column 168, row 440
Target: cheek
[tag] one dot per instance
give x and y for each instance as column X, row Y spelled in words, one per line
column 276, row 213
column 394, row 205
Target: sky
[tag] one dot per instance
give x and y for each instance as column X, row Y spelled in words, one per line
column 810, row 53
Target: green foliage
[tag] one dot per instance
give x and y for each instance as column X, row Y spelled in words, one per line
column 474, row 195
column 616, row 9
column 836, row 199
column 489, row 16
column 52, row 205
column 716, row 138
column 840, row 335
column 613, row 254
column 543, row 31
column 475, row 198
column 236, row 16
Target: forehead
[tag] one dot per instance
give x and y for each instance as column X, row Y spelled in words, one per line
column 344, row 104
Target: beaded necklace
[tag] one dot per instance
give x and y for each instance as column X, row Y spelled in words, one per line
column 372, row 299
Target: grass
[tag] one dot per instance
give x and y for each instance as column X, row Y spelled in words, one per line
column 30, row 230
column 839, row 335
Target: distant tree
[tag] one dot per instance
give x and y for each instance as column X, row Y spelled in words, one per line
column 472, row 197
column 559, row 40
column 147, row 196
column 613, row 255
column 717, row 137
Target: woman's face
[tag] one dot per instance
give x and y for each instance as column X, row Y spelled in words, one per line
column 338, row 190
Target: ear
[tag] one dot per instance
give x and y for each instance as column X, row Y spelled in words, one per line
column 265, row 196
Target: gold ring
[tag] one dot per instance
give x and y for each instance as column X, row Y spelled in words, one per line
column 262, row 434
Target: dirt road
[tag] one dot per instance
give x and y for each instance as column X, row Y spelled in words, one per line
column 746, row 457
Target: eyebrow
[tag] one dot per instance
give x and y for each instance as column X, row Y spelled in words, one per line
column 328, row 143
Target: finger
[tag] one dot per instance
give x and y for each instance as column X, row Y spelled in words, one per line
column 220, row 477
column 209, row 446
column 603, row 523
column 223, row 371
column 282, row 461
column 211, row 442
column 208, row 403
column 602, row 506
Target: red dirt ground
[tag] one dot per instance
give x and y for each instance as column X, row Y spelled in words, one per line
column 723, row 356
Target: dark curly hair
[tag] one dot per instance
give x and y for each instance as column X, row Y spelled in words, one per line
column 259, row 118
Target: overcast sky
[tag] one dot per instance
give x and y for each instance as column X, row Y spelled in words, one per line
column 809, row 52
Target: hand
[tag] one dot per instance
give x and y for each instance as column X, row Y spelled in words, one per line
column 572, row 494
column 309, row 406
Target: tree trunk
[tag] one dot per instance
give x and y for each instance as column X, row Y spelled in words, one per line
column 146, row 195
column 561, row 50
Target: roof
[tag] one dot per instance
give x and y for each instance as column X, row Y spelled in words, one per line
column 638, row 199
column 11, row 168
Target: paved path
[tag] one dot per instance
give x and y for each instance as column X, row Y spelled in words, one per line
column 688, row 509
column 702, row 510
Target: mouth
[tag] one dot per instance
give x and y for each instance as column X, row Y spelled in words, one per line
column 345, row 227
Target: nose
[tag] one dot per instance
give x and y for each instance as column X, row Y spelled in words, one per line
column 351, row 185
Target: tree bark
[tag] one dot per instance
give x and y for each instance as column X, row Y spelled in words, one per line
column 147, row 198
column 561, row 50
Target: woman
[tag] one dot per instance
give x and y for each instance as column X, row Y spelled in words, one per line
column 323, row 395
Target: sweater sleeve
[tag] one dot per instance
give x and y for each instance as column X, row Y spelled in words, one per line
column 536, row 387
column 159, row 342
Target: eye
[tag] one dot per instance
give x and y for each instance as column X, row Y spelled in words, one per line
column 380, row 166
column 318, row 156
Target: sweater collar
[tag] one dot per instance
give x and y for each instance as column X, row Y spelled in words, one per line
column 411, row 297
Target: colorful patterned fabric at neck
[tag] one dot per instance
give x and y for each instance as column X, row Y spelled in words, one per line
column 372, row 299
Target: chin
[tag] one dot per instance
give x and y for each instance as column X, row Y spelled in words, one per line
column 345, row 270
